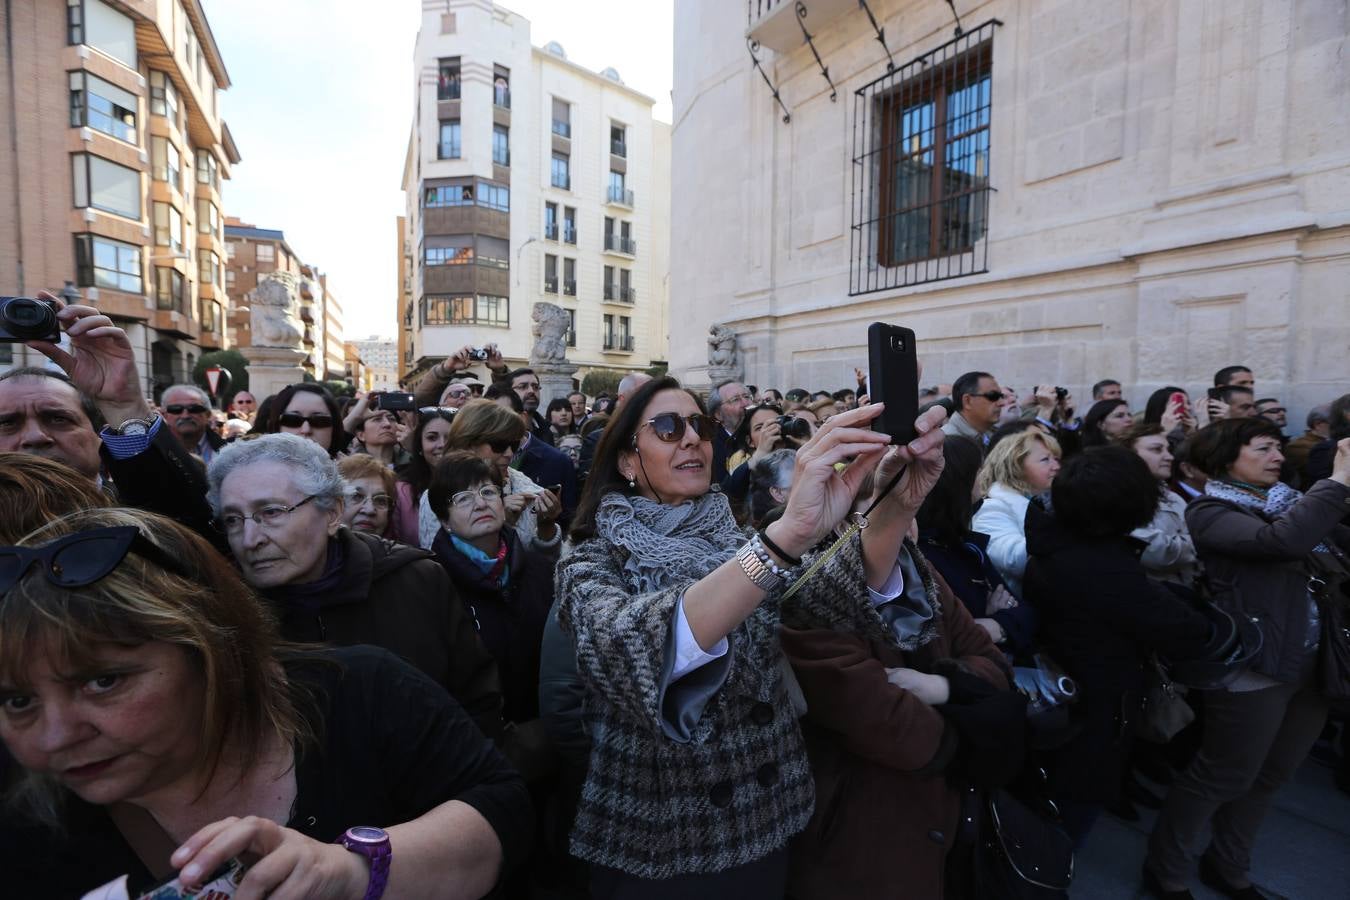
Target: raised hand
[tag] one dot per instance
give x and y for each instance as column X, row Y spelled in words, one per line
column 101, row 362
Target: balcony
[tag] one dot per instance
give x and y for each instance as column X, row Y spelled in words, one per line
column 569, row 234
column 550, row 231
column 570, row 288
column 618, row 196
column 550, row 285
column 620, row 343
column 562, row 129
column 620, row 294
column 616, row 243
column 618, row 148
column 773, row 23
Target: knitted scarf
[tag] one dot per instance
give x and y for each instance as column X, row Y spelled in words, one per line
column 667, row 544
column 1274, row 501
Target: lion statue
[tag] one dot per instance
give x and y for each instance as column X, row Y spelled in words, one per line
column 272, row 318
column 550, row 334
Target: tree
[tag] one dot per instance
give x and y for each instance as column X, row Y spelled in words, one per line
column 232, row 361
column 601, row 381
column 340, row 388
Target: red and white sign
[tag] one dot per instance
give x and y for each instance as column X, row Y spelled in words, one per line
column 213, row 380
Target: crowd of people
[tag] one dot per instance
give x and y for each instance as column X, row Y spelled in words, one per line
column 653, row 645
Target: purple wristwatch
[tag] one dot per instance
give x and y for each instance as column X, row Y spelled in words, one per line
column 373, row 844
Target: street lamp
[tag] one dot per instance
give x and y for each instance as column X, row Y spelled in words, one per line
column 518, row 252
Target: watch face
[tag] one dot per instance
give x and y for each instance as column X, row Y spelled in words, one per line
column 367, row 834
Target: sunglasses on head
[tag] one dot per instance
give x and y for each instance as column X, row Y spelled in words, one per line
column 503, row 446
column 295, row 420
column 177, row 409
column 80, row 559
column 669, row 427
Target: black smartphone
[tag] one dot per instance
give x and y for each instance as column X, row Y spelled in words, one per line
column 893, row 376
column 1215, row 393
column 393, row 401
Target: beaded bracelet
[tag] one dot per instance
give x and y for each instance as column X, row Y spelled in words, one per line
column 757, row 547
column 777, row 550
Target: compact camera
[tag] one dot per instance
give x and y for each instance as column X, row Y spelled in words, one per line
column 793, row 427
column 26, row 319
column 478, row 353
column 392, row 401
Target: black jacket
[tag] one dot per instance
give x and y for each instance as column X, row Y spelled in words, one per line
column 1101, row 616
column 972, row 577
column 723, row 447
column 165, row 479
column 546, row 467
column 390, row 595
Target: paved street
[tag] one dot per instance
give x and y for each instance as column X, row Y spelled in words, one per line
column 1303, row 852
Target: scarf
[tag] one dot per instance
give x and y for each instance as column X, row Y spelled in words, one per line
column 493, row 568
column 310, row 596
column 1274, row 501
column 668, row 544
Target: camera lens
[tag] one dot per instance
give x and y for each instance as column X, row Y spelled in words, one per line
column 29, row 319
column 793, row 427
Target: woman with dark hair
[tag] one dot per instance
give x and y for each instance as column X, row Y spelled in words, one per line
column 194, row 735
column 758, row 435
column 1169, row 556
column 1104, row 422
column 698, row 776
column 310, row 411
column 559, row 417
column 1170, row 407
column 1101, row 617
column 960, row 554
column 1277, row 556
column 430, row 439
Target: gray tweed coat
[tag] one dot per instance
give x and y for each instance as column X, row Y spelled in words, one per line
column 740, row 786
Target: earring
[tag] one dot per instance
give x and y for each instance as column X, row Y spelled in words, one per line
column 631, row 482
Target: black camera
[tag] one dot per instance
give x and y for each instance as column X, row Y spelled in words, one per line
column 478, row 353
column 1061, row 393
column 26, row 319
column 392, row 401
column 793, row 427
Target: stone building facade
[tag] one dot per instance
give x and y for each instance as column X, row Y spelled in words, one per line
column 1072, row 190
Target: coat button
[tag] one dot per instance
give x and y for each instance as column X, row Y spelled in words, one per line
column 761, row 713
column 936, row 836
column 720, row 794
column 767, row 775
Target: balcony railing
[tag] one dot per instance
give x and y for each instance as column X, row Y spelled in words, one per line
column 550, row 285
column 627, row 344
column 624, row 344
column 562, row 129
column 620, row 196
column 619, row 293
column 628, row 294
column 569, row 234
column 774, row 23
column 617, row 243
column 550, row 231
column 570, row 288
column 618, row 147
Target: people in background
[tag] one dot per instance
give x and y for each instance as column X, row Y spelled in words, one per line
column 369, row 497
column 1020, row 467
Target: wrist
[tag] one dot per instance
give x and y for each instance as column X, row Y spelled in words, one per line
column 788, row 540
column 356, row 872
column 115, row 412
column 942, row 689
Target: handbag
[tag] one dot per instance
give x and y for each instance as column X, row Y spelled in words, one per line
column 1020, row 854
column 1327, row 586
column 1163, row 710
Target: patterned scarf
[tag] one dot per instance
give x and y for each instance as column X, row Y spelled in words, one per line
column 1274, row 501
column 668, row 544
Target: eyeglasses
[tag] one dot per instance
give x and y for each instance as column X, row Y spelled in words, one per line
column 467, row 500
column 669, row 427
column 432, row 410
column 744, row 398
column 503, row 446
column 991, row 396
column 462, row 393
column 267, row 517
column 527, row 386
column 177, row 409
column 360, row 498
column 295, row 420
column 80, row 559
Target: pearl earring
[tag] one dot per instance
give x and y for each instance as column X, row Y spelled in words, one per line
column 631, row 482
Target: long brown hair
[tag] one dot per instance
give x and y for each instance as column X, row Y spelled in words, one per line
column 228, row 633
column 34, row 490
column 481, row 421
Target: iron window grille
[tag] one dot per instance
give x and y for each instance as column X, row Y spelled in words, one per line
column 921, row 168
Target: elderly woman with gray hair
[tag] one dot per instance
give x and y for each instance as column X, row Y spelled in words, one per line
column 770, row 483
column 279, row 501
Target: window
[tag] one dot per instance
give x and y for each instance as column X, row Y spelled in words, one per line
column 494, row 196
column 571, row 327
column 447, row 80
column 569, row 225
column 466, row 310
column 208, row 268
column 211, row 320
column 165, row 161
column 551, row 221
column 105, row 263
column 208, row 217
column 265, row 253
column 608, row 334
column 168, row 227
column 447, row 256
column 609, row 286
column 561, row 175
column 618, row 144
column 231, row 248
column 98, row 25
column 617, row 191
column 163, row 96
column 103, row 184
column 169, row 289
column 229, row 278
column 922, row 168
column 493, row 252
column 501, row 86
column 570, row 277
column 449, row 144
column 626, row 292
column 562, row 118
column 625, row 333
column 461, row 193
column 208, row 169
column 74, row 22
column 102, row 106
column 550, row 273
column 501, row 145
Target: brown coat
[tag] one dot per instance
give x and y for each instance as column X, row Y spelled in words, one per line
column 885, row 816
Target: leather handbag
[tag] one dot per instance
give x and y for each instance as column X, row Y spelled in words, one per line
column 1020, row 854
column 1163, row 710
column 1329, row 588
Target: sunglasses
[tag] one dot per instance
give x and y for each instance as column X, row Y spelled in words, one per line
column 503, row 446
column 177, row 409
column 669, row 427
column 432, row 410
column 991, row 396
column 81, row 559
column 295, row 420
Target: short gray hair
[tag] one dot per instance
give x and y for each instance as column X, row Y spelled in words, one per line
column 774, row 470
column 315, row 474
column 1319, row 415
column 205, row 397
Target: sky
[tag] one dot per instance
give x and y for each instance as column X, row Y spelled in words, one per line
column 321, row 104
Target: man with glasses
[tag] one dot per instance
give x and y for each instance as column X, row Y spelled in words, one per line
column 187, row 409
column 455, row 395
column 726, row 403
column 977, row 403
column 526, row 385
column 244, row 405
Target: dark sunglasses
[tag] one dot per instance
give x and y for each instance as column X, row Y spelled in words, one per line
column 669, row 427
column 82, row 558
column 177, row 409
column 991, row 396
column 295, row 420
column 503, row 446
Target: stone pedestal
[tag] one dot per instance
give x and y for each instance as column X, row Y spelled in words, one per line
column 272, row 368
column 555, row 380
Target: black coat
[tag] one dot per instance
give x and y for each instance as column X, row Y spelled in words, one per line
column 972, row 577
column 165, row 479
column 548, row 466
column 1101, row 617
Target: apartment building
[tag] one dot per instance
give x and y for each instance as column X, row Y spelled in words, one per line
column 379, row 361
column 112, row 168
column 528, row 178
column 1055, row 192
column 334, row 347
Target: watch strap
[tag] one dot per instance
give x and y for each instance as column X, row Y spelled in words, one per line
column 757, row 570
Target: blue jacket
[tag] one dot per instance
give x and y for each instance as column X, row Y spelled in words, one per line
column 972, row 577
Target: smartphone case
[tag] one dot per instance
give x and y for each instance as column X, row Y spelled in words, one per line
column 893, row 379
